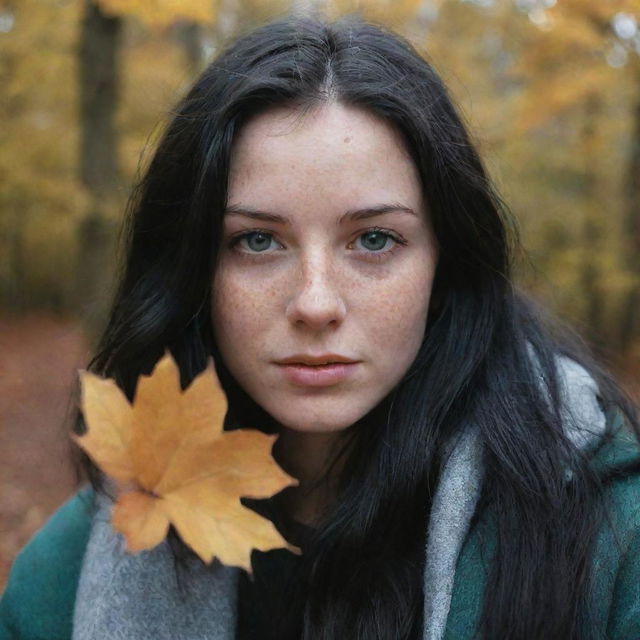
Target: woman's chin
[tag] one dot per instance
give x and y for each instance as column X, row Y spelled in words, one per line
column 322, row 415
column 317, row 425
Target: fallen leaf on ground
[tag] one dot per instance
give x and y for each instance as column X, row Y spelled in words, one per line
column 169, row 449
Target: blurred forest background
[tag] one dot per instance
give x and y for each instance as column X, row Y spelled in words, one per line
column 550, row 89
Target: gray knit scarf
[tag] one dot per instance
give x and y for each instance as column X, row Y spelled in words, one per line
column 137, row 597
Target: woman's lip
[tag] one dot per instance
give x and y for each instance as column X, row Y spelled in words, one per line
column 323, row 375
column 312, row 360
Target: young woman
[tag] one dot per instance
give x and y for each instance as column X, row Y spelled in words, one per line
column 316, row 218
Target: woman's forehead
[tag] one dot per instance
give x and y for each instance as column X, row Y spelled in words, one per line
column 329, row 122
column 334, row 152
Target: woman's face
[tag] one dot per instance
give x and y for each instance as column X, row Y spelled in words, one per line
column 321, row 294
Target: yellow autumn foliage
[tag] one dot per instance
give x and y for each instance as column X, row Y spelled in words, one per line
column 552, row 118
column 162, row 13
column 394, row 13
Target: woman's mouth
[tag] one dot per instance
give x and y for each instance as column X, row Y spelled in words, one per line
column 319, row 371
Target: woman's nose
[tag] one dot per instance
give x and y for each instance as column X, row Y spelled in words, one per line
column 316, row 301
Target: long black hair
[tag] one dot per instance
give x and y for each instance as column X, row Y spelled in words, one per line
column 487, row 357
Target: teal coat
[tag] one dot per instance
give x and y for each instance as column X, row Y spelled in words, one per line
column 38, row 602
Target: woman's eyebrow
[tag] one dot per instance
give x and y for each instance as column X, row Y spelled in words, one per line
column 233, row 210
column 352, row 214
column 376, row 210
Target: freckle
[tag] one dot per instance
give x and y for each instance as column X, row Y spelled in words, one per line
column 347, row 139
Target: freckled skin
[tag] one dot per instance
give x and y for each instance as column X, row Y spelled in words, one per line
column 319, row 288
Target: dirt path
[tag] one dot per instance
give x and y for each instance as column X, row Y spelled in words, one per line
column 39, row 356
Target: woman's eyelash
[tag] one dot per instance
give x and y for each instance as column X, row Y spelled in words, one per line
column 238, row 237
column 398, row 241
column 379, row 256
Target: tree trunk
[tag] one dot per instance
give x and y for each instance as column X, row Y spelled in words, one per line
column 592, row 228
column 227, row 21
column 630, row 321
column 199, row 41
column 99, row 45
column 98, row 66
column 191, row 37
column 307, row 7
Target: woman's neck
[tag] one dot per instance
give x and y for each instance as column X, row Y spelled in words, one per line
column 307, row 456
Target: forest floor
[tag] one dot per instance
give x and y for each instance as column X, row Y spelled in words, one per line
column 39, row 359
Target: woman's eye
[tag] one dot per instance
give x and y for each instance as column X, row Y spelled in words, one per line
column 257, row 241
column 376, row 240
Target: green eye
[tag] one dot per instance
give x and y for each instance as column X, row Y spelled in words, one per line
column 375, row 240
column 257, row 241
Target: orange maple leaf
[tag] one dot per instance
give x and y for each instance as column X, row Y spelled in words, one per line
column 170, row 446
